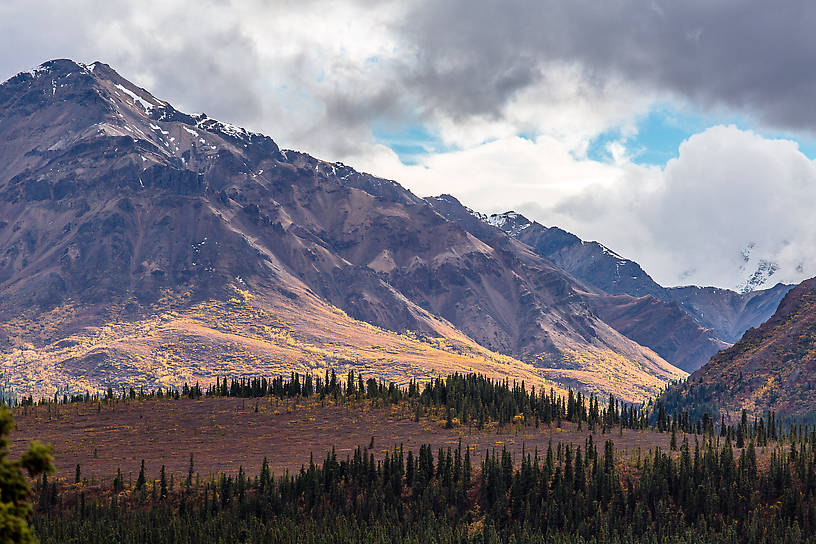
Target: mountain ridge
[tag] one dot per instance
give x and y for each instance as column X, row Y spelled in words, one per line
column 126, row 215
column 772, row 367
column 728, row 314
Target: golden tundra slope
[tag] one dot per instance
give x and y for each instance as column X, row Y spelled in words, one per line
column 248, row 335
column 195, row 342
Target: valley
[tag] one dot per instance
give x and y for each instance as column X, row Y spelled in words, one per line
column 224, row 434
column 191, row 464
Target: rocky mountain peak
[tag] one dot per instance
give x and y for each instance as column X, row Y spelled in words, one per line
column 510, row 222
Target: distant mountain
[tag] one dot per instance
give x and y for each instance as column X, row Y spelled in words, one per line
column 657, row 324
column 756, row 271
column 143, row 245
column 590, row 262
column 723, row 314
column 772, row 367
column 729, row 314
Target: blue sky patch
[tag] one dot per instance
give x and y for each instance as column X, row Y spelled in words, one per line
column 663, row 129
column 658, row 138
column 409, row 142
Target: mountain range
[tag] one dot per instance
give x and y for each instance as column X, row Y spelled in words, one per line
column 140, row 245
column 772, row 367
column 728, row 314
column 686, row 325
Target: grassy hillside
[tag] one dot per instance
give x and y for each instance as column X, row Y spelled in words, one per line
column 772, row 367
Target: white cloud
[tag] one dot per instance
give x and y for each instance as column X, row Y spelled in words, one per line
column 729, row 190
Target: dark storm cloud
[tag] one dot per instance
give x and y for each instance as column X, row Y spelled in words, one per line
column 452, row 59
column 754, row 56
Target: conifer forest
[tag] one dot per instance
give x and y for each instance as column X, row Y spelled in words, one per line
column 751, row 482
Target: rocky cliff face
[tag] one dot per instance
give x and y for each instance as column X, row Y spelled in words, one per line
column 137, row 242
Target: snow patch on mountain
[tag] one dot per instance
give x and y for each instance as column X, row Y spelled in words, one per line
column 510, row 222
column 757, row 271
column 760, row 277
column 611, row 253
column 148, row 107
column 38, row 71
column 226, row 129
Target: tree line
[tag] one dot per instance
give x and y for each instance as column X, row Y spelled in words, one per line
column 567, row 494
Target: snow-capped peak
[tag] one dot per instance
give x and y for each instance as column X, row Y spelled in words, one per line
column 510, row 222
column 756, row 270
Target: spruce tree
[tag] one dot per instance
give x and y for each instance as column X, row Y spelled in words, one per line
column 140, row 481
column 15, row 492
column 190, row 472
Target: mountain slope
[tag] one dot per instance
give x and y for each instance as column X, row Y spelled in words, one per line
column 772, row 367
column 139, row 243
column 728, row 313
column 663, row 326
column 718, row 317
column 590, row 262
column 660, row 325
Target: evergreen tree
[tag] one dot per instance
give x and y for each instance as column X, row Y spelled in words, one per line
column 163, row 484
column 140, row 481
column 15, row 507
column 190, row 470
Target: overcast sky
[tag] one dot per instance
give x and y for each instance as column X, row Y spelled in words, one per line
column 679, row 134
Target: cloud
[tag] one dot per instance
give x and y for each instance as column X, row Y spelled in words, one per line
column 733, row 194
column 746, row 56
column 303, row 72
column 730, row 200
column 451, row 62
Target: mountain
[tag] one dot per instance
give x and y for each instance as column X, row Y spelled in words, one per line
column 728, row 313
column 661, row 326
column 143, row 245
column 755, row 270
column 773, row 367
column 590, row 262
column 723, row 314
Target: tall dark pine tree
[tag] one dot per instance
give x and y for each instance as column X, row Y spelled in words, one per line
column 140, row 481
column 163, row 484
